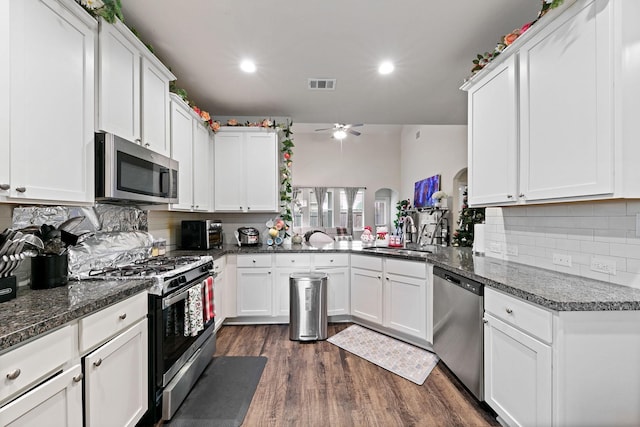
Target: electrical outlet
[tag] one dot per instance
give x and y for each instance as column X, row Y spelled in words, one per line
column 512, row 250
column 602, row 265
column 562, row 259
column 495, row 247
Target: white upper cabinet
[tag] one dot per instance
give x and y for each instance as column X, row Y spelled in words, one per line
column 246, row 170
column 47, row 111
column 192, row 147
column 493, row 128
column 542, row 122
column 566, row 87
column 133, row 89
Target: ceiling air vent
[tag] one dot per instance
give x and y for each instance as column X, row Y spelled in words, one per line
column 321, row 84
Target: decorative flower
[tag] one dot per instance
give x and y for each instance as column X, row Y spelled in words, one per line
column 205, row 116
column 511, row 37
column 197, row 110
column 215, row 126
column 525, row 27
column 232, row 122
column 267, row 123
column 92, row 4
column 439, row 195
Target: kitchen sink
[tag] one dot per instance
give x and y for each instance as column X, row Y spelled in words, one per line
column 419, row 251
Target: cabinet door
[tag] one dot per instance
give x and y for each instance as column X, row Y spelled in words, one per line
column 229, row 166
column 254, row 291
column 566, row 107
column 182, row 151
column 493, row 137
column 116, row 375
column 202, row 192
column 155, row 108
column 5, row 106
column 366, row 295
column 118, row 83
column 261, row 172
column 337, row 290
column 517, row 375
column 52, row 72
column 57, row 400
column 219, row 295
column 406, row 304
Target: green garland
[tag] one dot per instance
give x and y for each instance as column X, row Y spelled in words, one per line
column 107, row 9
column 286, row 192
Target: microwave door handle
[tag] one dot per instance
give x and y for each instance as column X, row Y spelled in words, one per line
column 169, row 301
column 164, row 181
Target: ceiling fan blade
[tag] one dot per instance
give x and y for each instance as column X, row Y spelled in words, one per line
column 354, row 126
column 317, row 130
column 354, row 132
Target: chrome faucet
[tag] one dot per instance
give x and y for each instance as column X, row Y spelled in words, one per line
column 407, row 219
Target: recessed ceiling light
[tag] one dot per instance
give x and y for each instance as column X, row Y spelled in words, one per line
column 248, row 66
column 339, row 134
column 386, row 67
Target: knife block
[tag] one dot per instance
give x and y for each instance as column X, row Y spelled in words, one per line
column 49, row 271
column 8, row 288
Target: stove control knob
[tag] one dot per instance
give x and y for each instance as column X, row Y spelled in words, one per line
column 173, row 283
column 182, row 279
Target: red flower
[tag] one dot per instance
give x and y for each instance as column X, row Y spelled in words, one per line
column 525, row 27
column 511, row 37
column 197, row 110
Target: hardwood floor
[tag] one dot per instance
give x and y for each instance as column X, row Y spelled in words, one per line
column 319, row 384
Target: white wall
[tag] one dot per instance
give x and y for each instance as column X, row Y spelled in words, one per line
column 371, row 161
column 439, row 150
column 604, row 231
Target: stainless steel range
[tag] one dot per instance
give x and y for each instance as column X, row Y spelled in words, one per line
column 181, row 325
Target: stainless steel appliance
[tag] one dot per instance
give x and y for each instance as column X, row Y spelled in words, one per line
column 176, row 358
column 128, row 172
column 201, row 234
column 308, row 306
column 458, row 305
column 248, row 236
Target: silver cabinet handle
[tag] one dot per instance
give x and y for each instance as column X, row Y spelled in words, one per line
column 122, row 316
column 485, row 321
column 269, row 272
column 509, row 311
column 147, row 145
column 78, row 377
column 139, row 141
column 379, row 277
column 330, row 260
column 253, row 261
column 509, row 196
column 13, row 374
column 4, row 186
column 240, row 207
column 97, row 362
column 293, row 260
column 248, row 208
column 521, row 195
column 387, row 279
column 21, row 189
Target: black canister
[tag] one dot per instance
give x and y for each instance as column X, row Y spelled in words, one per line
column 49, row 271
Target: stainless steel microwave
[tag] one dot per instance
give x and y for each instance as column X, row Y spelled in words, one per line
column 128, row 172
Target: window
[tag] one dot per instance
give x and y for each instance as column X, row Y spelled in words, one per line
column 327, row 209
column 381, row 212
column 358, row 210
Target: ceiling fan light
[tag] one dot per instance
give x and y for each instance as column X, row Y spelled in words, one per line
column 339, row 134
column 386, row 67
column 248, row 66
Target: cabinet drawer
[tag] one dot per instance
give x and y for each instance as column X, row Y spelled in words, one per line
column 35, row 360
column 331, row 260
column 263, row 260
column 293, row 260
column 99, row 327
column 367, row 262
column 531, row 319
column 407, row 268
column 219, row 265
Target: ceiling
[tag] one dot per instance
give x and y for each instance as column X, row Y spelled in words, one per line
column 432, row 44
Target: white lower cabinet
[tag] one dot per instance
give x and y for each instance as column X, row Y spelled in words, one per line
column 405, row 297
column 254, row 285
column 116, row 386
column 366, row 295
column 517, row 372
column 220, row 291
column 57, row 401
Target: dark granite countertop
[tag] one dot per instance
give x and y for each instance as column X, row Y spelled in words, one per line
column 35, row 312
column 550, row 289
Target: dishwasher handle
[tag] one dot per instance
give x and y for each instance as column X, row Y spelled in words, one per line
column 460, row 281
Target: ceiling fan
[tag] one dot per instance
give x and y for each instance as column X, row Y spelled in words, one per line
column 341, row 130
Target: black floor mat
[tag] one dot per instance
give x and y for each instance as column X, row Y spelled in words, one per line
column 222, row 395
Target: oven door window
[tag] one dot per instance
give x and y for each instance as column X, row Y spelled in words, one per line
column 175, row 342
column 140, row 176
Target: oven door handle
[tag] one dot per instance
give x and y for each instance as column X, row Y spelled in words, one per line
column 169, row 301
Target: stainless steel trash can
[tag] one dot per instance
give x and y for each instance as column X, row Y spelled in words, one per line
column 308, row 306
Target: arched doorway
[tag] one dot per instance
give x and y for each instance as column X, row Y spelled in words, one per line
column 384, row 208
column 459, row 188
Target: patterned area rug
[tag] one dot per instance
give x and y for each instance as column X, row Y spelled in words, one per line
column 412, row 363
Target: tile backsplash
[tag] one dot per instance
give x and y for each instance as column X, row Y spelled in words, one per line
column 596, row 240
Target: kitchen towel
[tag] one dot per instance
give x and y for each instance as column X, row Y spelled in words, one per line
column 193, row 312
column 478, row 238
column 209, row 308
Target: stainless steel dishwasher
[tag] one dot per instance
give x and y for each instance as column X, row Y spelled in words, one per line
column 458, row 305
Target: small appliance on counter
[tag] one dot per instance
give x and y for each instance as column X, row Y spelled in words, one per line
column 201, row 234
column 248, row 236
